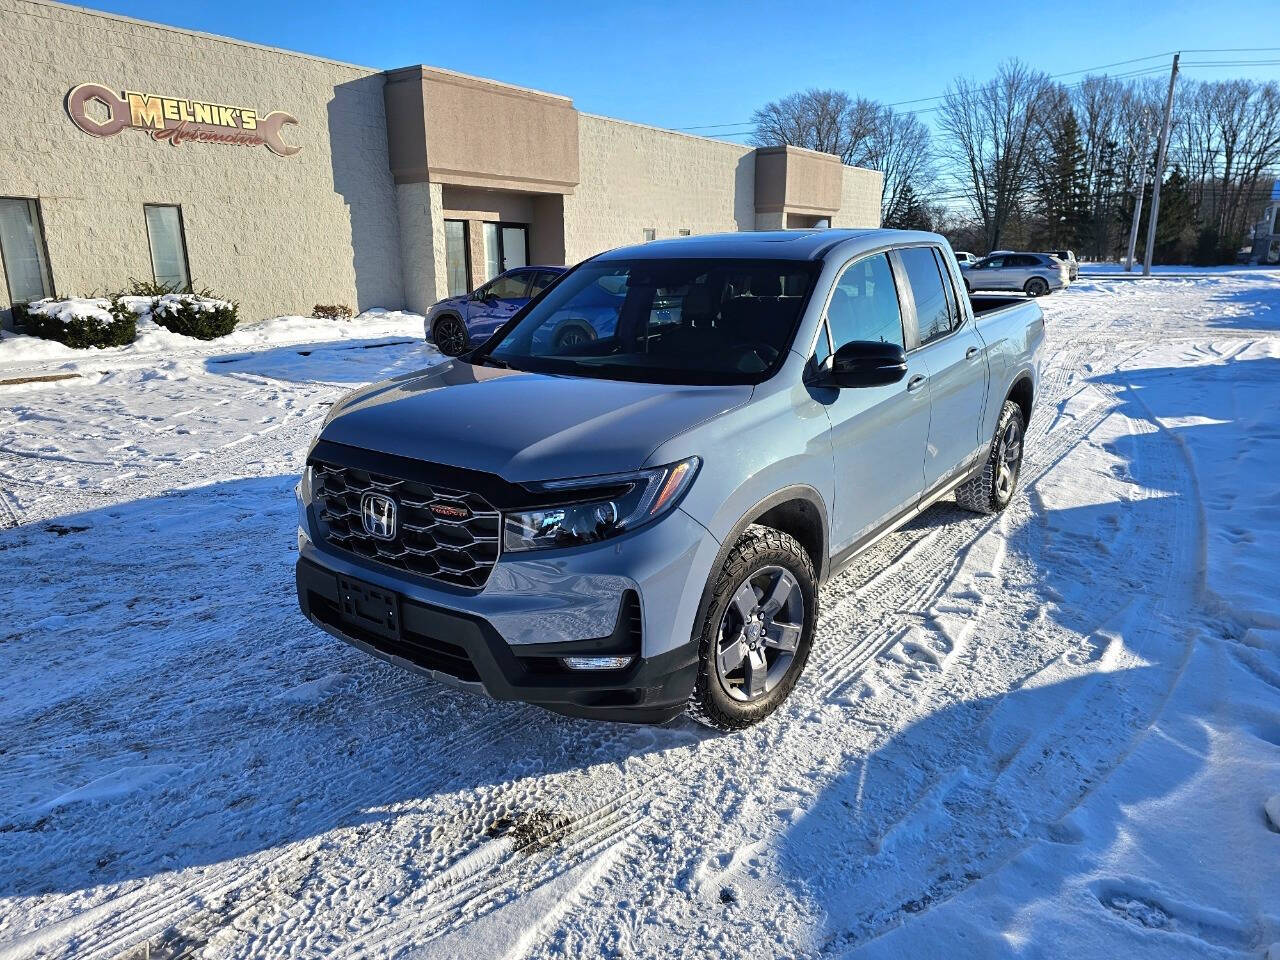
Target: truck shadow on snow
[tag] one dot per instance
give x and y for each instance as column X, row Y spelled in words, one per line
column 997, row 783
column 168, row 706
column 351, row 362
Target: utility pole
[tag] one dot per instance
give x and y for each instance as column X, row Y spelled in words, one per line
column 1155, row 188
column 1142, row 189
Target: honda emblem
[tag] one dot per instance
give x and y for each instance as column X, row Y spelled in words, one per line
column 378, row 514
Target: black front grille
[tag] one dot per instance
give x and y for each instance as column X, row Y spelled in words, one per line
column 456, row 543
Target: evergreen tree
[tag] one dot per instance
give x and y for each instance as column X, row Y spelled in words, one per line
column 910, row 213
column 1059, row 187
column 1176, row 230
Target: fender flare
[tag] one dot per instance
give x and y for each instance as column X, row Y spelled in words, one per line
column 798, row 491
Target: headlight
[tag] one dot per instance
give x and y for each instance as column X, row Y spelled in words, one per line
column 620, row 503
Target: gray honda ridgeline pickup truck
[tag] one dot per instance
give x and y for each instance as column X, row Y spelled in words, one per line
column 636, row 524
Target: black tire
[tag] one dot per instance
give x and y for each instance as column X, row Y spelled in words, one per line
column 1036, row 287
column 450, row 335
column 991, row 490
column 967, row 287
column 573, row 333
column 757, row 552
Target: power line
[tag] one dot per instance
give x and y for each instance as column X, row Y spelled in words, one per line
column 1159, row 68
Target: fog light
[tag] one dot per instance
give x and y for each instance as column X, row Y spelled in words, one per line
column 596, row 663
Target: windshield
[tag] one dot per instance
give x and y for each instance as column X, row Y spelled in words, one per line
column 662, row 321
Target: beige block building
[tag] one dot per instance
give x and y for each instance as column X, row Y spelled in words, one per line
column 133, row 150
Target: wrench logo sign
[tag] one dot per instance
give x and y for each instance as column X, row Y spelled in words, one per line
column 176, row 120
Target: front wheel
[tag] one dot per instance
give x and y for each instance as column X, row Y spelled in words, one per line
column 992, row 489
column 758, row 628
column 450, row 335
column 1036, row 287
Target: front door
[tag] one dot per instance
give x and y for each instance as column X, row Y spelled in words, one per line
column 878, row 434
column 499, row 300
column 954, row 357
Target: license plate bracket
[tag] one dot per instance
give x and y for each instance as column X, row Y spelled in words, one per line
column 369, row 608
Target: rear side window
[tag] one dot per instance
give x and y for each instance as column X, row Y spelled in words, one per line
column 949, row 288
column 541, row 280
column 864, row 304
column 932, row 311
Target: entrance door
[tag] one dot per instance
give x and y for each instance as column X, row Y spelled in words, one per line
column 506, row 247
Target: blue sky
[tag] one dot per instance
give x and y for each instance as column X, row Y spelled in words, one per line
column 694, row 64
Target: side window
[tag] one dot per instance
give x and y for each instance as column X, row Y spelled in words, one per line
column 949, row 288
column 864, row 304
column 511, row 286
column 168, row 245
column 926, row 287
column 995, row 263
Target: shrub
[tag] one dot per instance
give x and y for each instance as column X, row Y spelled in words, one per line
column 332, row 311
column 189, row 314
column 79, row 321
column 153, row 288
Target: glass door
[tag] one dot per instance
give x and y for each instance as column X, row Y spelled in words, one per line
column 506, row 247
column 515, row 246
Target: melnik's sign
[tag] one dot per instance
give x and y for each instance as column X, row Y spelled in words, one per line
column 177, row 120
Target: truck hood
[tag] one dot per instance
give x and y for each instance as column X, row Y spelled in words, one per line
column 522, row 426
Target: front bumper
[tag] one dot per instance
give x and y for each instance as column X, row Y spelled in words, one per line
column 466, row 650
column 506, row 638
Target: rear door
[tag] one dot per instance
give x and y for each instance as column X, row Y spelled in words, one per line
column 954, row 357
column 878, row 434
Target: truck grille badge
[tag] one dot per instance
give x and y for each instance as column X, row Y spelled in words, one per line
column 378, row 516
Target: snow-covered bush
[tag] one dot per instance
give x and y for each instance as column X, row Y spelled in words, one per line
column 332, row 311
column 79, row 321
column 189, row 314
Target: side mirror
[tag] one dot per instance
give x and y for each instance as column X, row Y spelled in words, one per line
column 866, row 363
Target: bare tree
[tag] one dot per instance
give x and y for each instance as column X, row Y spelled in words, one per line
column 1247, row 124
column 829, row 121
column 899, row 147
column 989, row 133
column 860, row 132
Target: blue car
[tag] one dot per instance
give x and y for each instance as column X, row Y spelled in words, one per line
column 457, row 324
column 460, row 323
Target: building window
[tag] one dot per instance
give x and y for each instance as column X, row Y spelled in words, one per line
column 26, row 268
column 457, row 260
column 684, row 231
column 168, row 246
column 650, row 234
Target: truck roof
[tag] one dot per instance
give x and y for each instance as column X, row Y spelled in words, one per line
column 764, row 244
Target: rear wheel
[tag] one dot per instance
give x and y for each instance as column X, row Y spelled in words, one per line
column 450, row 335
column 573, row 334
column 1036, row 287
column 757, row 631
column 992, row 489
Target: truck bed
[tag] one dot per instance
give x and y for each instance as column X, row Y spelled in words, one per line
column 989, row 303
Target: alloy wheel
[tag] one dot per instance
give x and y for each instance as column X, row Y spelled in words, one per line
column 759, row 633
column 450, row 336
column 1008, row 459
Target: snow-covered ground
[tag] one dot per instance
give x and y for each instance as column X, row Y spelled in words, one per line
column 1056, row 732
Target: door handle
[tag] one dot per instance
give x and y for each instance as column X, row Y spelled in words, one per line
column 916, row 382
column 971, row 353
